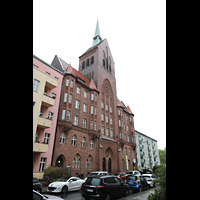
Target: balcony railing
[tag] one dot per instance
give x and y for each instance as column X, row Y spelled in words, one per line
column 40, row 147
column 47, row 101
column 44, row 122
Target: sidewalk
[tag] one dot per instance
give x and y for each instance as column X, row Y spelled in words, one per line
column 139, row 196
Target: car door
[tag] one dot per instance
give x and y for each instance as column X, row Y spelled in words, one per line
column 72, row 185
column 119, row 188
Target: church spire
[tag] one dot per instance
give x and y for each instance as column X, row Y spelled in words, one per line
column 97, row 36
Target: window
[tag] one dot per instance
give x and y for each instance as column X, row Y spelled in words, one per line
column 47, row 73
column 84, row 108
column 65, row 97
column 106, row 118
column 106, row 107
column 111, row 120
column 127, row 127
column 87, row 62
column 95, row 110
column 119, row 123
column 74, row 140
column 62, row 138
column 102, row 130
column 118, row 112
column 83, row 65
column 91, row 124
column 77, row 104
column 107, row 132
column 95, row 97
column 56, row 78
column 84, row 123
column 120, row 135
column 92, row 59
column 125, row 137
column 53, row 96
column 76, row 120
column 70, row 98
column 41, row 112
column 95, row 125
column 67, row 82
column 111, row 133
column 33, row 105
column 125, row 151
column 72, row 84
column 102, row 104
column 110, row 109
column 89, row 163
column 92, row 97
column 91, row 110
column 129, row 151
column 50, row 115
column 78, row 90
column 85, row 94
column 76, row 162
column 37, row 136
column 83, row 142
column 91, row 144
column 102, row 117
column 35, row 67
column 35, row 85
column 130, row 118
column 63, row 114
column 42, row 164
column 128, row 138
column 68, row 115
column 46, row 138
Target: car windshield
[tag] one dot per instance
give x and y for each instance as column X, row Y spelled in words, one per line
column 62, row 180
column 92, row 181
column 131, row 178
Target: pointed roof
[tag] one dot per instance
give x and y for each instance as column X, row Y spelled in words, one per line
column 93, row 86
column 122, row 105
column 97, row 36
column 128, row 110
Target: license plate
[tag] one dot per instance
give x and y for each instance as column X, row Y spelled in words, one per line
column 89, row 190
column 131, row 183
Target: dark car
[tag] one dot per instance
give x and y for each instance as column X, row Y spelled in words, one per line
column 37, row 186
column 136, row 183
column 104, row 187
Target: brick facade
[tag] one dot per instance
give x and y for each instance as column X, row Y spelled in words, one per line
column 96, row 76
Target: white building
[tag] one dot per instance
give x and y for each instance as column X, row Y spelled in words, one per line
column 146, row 151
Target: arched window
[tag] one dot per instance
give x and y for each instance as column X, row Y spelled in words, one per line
column 74, row 140
column 83, row 142
column 83, row 65
column 104, row 58
column 62, row 138
column 92, row 59
column 87, row 63
column 91, row 144
column 129, row 151
column 76, row 162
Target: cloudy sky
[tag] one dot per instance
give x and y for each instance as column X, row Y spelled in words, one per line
column 136, row 33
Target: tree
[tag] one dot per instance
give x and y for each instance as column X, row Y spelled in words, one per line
column 162, row 155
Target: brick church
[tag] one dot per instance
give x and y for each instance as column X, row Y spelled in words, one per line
column 95, row 130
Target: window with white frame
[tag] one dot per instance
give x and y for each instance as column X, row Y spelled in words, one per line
column 111, row 133
column 102, row 130
column 42, row 164
column 76, row 162
column 85, row 94
column 35, row 85
column 107, row 131
column 67, row 82
column 95, row 110
column 50, row 115
column 62, row 138
column 110, row 109
column 92, row 96
column 95, row 97
column 74, row 140
column 91, row 124
column 77, row 104
column 119, row 123
column 63, row 114
column 65, row 97
column 95, row 125
column 70, row 98
column 46, row 138
column 106, row 118
column 72, row 84
column 92, row 110
column 37, row 136
column 68, row 115
column 106, row 107
column 102, row 104
column 111, row 120
column 84, row 108
column 84, row 123
column 102, row 116
column 118, row 112
column 91, row 144
column 76, row 120
column 78, row 90
column 83, row 142
column 127, row 127
column 128, row 138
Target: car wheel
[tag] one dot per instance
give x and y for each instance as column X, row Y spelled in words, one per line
column 65, row 189
column 126, row 193
column 108, row 197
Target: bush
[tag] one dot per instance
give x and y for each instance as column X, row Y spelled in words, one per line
column 56, row 172
column 160, row 192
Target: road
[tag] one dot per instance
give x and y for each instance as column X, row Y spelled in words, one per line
column 76, row 195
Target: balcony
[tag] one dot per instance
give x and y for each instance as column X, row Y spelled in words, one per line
column 44, row 123
column 51, row 83
column 140, row 140
column 155, row 162
column 142, row 160
column 141, row 146
column 40, row 147
column 47, row 101
column 141, row 153
column 154, row 156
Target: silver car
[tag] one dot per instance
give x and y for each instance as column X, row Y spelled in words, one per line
column 38, row 196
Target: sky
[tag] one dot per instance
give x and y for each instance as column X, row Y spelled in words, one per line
column 136, row 34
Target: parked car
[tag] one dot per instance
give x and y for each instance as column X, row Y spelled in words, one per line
column 96, row 173
column 147, row 171
column 45, row 181
column 149, row 178
column 104, row 187
column 136, row 183
column 133, row 173
column 64, row 185
column 37, row 185
column 121, row 175
column 38, row 196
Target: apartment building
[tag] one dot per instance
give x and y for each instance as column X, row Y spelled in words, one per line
column 47, row 82
column 147, row 154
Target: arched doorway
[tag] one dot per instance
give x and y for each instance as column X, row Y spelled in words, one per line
column 60, row 161
column 109, row 165
column 104, row 164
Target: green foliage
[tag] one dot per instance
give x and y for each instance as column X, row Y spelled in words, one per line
column 56, row 172
column 162, row 155
column 160, row 191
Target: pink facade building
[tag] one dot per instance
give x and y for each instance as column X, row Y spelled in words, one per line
column 47, row 84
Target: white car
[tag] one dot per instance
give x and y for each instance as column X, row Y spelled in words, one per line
column 64, row 185
column 96, row 173
column 149, row 178
column 136, row 173
column 37, row 195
